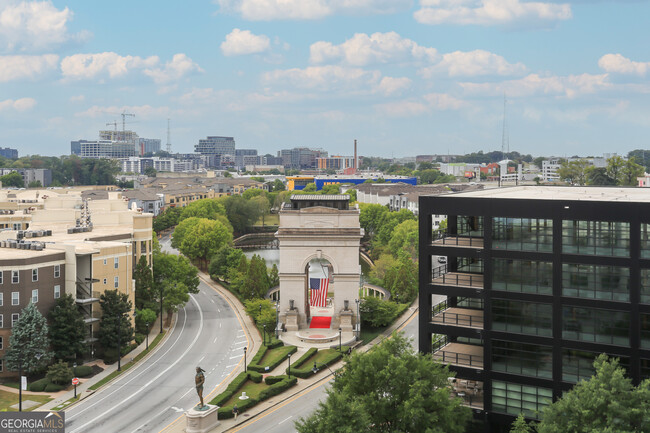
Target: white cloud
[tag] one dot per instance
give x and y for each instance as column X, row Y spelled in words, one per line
column 390, row 85
column 22, row 104
column 240, row 42
column 489, row 12
column 622, row 65
column 77, row 98
column 472, row 63
column 143, row 111
column 178, row 67
column 327, row 78
column 363, row 49
column 19, row 67
column 85, row 66
column 34, row 25
column 425, row 104
column 534, row 84
column 266, row 10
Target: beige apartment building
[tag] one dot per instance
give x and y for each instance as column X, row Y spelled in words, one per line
column 68, row 245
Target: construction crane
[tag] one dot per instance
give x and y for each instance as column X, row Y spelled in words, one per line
column 115, row 125
column 124, row 115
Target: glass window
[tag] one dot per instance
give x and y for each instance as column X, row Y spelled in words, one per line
column 34, row 274
column 1, row 278
column 57, row 271
column 1, row 299
column 104, row 261
column 603, row 238
column 116, row 262
column 525, row 359
column 143, row 247
column 596, row 282
column 15, row 277
column 645, row 286
column 645, row 331
column 1, row 365
column 525, row 276
column 57, row 292
column 1, row 322
column 15, row 298
column 514, row 399
column 596, row 325
column 470, row 225
column 14, row 319
column 34, row 296
column 2, row 343
column 522, row 317
column 117, row 282
column 645, row 368
column 105, row 280
column 522, row 234
column 645, row 241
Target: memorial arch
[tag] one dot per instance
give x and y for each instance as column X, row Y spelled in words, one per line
column 319, row 237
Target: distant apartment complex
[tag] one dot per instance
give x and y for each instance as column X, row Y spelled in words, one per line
column 56, row 244
column 42, row 175
column 7, row 152
column 114, row 144
column 536, row 283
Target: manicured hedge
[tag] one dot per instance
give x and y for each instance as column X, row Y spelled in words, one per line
column 277, row 385
column 305, row 371
column 53, row 387
column 39, row 385
column 232, row 388
column 83, row 371
column 311, row 352
column 255, row 362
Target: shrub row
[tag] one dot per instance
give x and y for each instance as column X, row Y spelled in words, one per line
column 255, row 362
column 232, row 388
column 44, row 385
column 83, row 371
column 311, row 352
column 306, row 371
column 277, row 385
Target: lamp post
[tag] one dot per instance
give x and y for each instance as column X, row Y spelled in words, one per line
column 74, row 366
column 147, row 335
column 289, row 370
column 119, row 342
column 358, row 301
column 161, row 308
column 339, row 338
column 264, row 333
column 245, row 348
column 277, row 318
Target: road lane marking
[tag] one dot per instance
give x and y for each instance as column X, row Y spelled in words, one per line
column 199, row 361
column 142, row 388
column 212, row 300
column 215, row 339
column 235, row 357
column 286, row 419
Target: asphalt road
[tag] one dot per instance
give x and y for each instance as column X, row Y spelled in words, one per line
column 158, row 390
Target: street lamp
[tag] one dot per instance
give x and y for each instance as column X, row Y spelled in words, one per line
column 264, row 333
column 245, row 348
column 161, row 308
column 119, row 343
column 74, row 366
column 358, row 301
column 147, row 335
column 277, row 318
column 289, row 370
column 339, row 338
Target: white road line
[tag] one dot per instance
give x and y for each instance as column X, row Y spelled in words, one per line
column 199, row 361
column 229, row 366
column 144, row 387
column 212, row 300
column 235, row 357
column 215, row 339
column 286, row 419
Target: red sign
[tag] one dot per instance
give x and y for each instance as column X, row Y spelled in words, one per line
column 75, row 381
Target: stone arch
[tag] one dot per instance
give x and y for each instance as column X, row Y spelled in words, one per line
column 335, row 266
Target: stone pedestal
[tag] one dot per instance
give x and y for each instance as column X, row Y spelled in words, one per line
column 291, row 320
column 346, row 320
column 201, row 421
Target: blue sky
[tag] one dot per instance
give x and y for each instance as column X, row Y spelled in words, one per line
column 403, row 77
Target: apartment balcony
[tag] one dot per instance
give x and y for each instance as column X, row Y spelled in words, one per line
column 460, row 240
column 453, row 316
column 440, row 276
column 460, row 355
column 470, row 391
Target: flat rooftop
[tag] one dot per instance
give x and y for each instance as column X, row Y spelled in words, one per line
column 610, row 194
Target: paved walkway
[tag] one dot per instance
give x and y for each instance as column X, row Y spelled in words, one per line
column 324, row 375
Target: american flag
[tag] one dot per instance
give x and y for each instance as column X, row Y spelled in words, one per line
column 318, row 288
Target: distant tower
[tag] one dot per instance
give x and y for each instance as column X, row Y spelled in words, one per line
column 505, row 142
column 356, row 161
column 169, row 139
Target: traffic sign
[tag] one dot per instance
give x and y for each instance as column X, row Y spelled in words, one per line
column 75, row 381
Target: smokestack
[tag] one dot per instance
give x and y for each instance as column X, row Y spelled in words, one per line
column 355, row 156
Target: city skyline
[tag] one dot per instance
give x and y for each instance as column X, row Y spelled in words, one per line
column 402, row 77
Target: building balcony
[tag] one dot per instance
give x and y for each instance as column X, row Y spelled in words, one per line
column 470, row 391
column 459, row 241
column 459, row 279
column 465, row 317
column 460, row 355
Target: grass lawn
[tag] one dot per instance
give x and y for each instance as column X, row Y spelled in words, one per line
column 251, row 389
column 368, row 334
column 269, row 220
column 320, row 356
column 273, row 355
column 8, row 399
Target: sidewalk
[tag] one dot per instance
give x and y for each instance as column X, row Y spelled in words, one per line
column 82, row 388
column 318, row 379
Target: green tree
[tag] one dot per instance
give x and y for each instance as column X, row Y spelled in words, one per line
column 278, row 185
column 115, row 320
column 181, row 230
column 35, row 184
column 253, row 192
column 274, row 276
column 406, row 392
column 143, row 318
column 402, row 279
column 598, row 176
column 520, row 425
column 206, row 208
column 405, row 238
column 353, row 195
column 225, row 259
column 608, row 402
column 176, row 277
column 392, row 220
column 262, row 311
column 263, row 205
column 377, row 312
column 309, row 188
column 334, row 189
column 241, row 212
column 143, row 276
column 168, row 218
column 29, row 343
column 60, row 373
column 631, row 170
column 13, row 179
column 254, row 281
column 575, row 172
column 371, row 218
column 382, row 265
column 203, row 239
column 615, row 166
column 151, row 172
column 67, row 329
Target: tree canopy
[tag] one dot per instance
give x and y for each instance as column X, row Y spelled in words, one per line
column 67, row 329
column 390, row 388
column 115, row 320
column 29, row 342
column 204, row 238
column 12, row 179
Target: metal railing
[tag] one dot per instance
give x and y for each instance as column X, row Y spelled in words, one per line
column 456, row 358
column 439, row 276
column 458, row 319
column 468, row 239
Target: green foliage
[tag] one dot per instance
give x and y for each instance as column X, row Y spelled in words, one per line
column 303, row 368
column 150, row 171
column 270, row 358
column 642, row 156
column 309, row 188
column 520, row 425
column 252, row 280
column 624, row 172
column 376, row 312
column 35, row 184
column 231, row 389
column 177, row 278
column 274, row 276
column 144, row 319
column 53, row 387
column 60, row 373
column 405, row 392
column 263, row 204
column 28, row 340
column 225, row 259
column 184, row 226
column 203, row 239
column 331, row 189
column 608, row 402
column 67, row 329
column 371, row 218
column 241, row 213
column 353, row 195
column 405, row 238
column 402, row 279
column 206, row 208
column 429, row 176
column 388, row 224
column 83, row 371
column 262, row 312
column 13, row 179
column 575, row 172
column 278, row 185
column 38, row 385
column 115, row 320
column 168, row 218
column 598, row 176
column 143, row 276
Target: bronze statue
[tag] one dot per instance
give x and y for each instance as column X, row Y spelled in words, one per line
column 199, row 380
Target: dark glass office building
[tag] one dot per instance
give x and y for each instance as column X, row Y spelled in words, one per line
column 537, row 282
